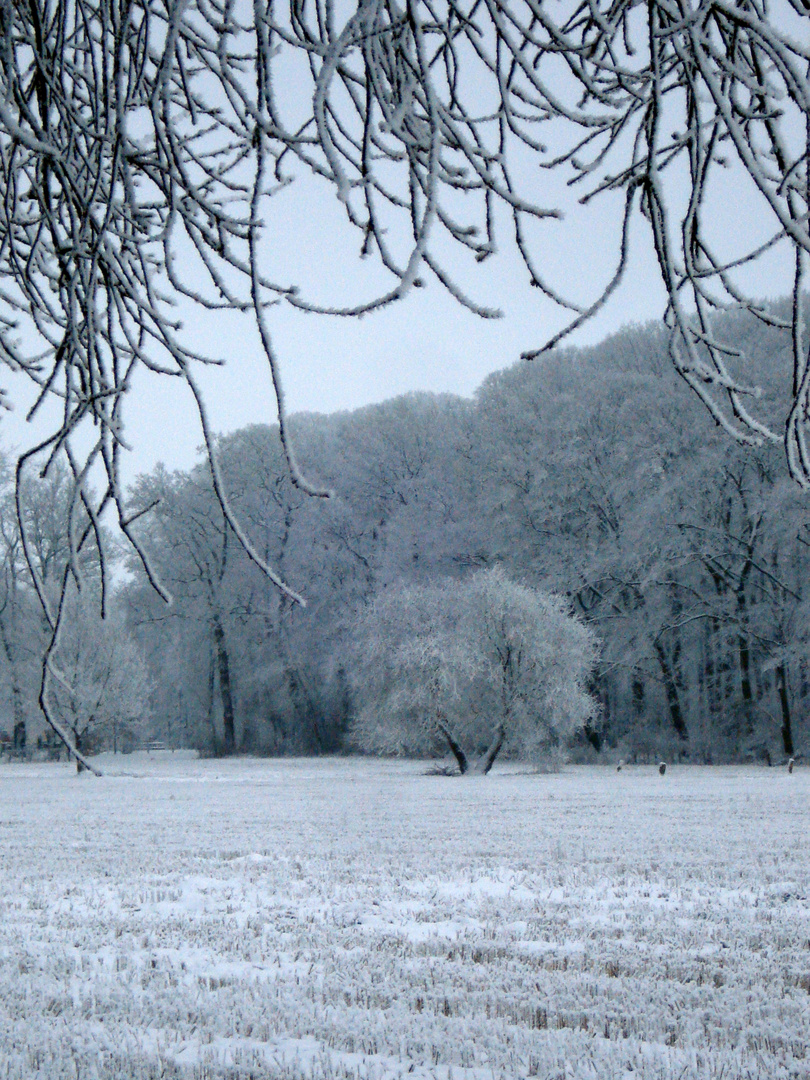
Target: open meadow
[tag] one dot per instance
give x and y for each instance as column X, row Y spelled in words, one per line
column 357, row 918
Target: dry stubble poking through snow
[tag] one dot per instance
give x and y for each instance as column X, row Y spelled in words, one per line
column 334, row 919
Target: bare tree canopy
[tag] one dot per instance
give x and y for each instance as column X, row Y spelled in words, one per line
column 142, row 141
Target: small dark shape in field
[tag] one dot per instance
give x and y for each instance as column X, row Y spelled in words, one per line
column 791, row 763
column 442, row 770
column 619, row 766
column 662, row 768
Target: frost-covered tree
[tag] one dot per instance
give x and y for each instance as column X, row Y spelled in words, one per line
column 251, row 670
column 686, row 553
column 36, row 522
column 142, row 143
column 474, row 667
column 191, row 545
column 99, row 686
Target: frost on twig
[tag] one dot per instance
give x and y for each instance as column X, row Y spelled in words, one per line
column 672, row 104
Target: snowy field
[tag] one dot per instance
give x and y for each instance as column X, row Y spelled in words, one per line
column 345, row 918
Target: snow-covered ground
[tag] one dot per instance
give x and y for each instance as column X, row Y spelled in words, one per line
column 348, row 918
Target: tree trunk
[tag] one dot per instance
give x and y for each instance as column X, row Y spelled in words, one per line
column 637, row 690
column 224, row 669
column 211, row 687
column 458, row 753
column 714, row 667
column 743, row 645
column 9, row 639
column 672, row 692
column 745, row 668
column 305, row 711
column 787, row 732
column 488, row 760
column 77, row 742
column 594, row 737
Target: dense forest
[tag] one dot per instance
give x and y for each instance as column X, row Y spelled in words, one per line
column 592, row 473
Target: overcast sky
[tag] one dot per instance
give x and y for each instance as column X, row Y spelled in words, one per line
column 425, row 342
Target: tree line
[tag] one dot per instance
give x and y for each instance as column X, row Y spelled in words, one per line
column 143, row 147
column 589, row 475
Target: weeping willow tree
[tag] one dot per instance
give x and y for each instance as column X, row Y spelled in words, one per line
column 142, row 142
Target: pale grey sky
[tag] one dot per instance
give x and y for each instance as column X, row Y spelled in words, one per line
column 425, row 342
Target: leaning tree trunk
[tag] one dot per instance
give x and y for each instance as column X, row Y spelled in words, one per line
column 483, row 766
column 77, row 742
column 488, row 760
column 456, row 750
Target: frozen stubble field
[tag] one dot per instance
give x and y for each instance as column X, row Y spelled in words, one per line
column 349, row 918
